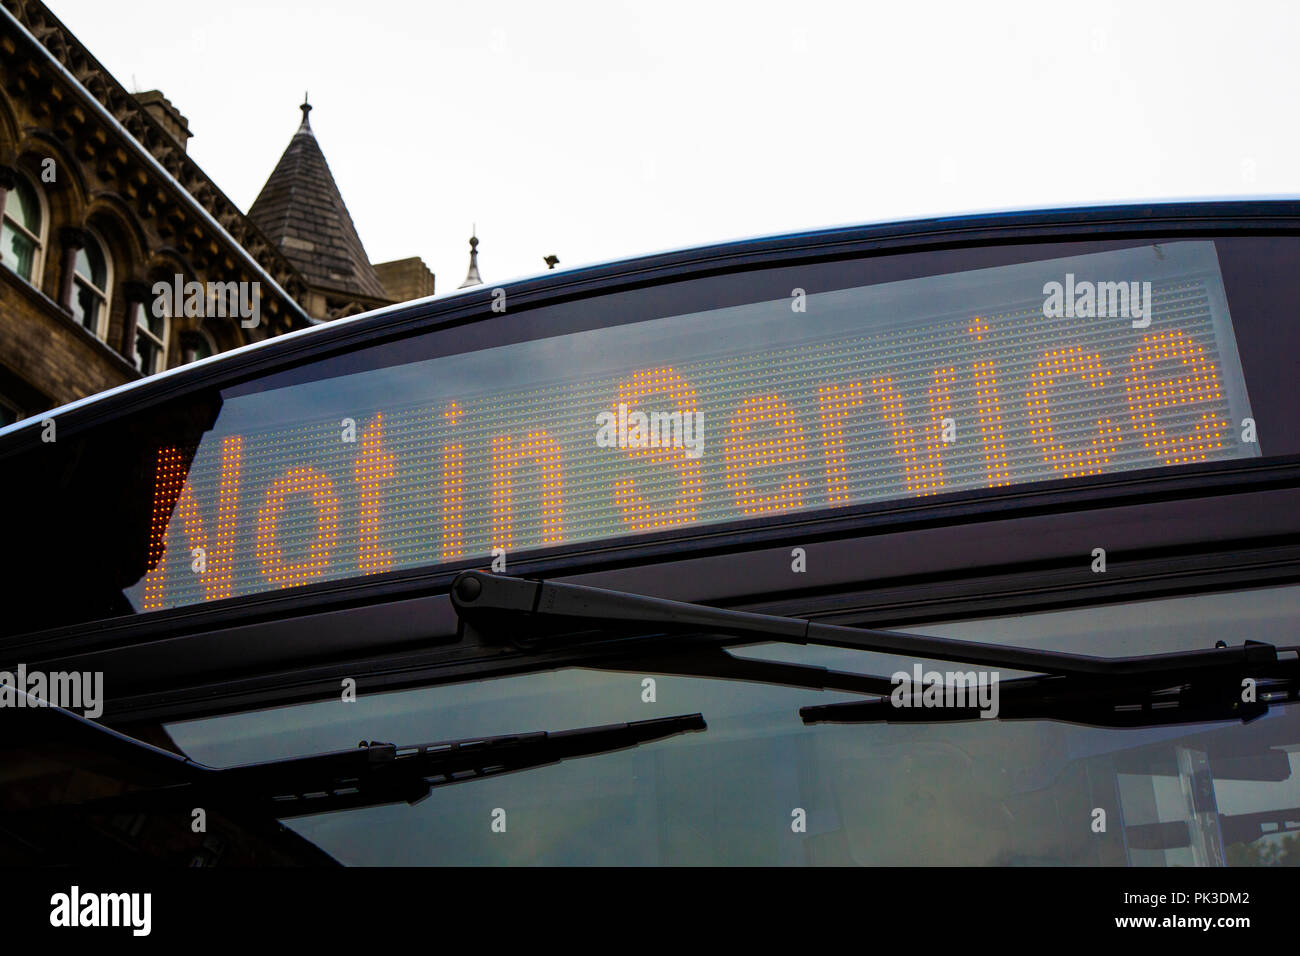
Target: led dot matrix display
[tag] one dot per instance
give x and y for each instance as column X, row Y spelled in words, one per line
column 911, row 389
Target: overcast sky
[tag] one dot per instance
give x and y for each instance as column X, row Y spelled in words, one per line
column 597, row 130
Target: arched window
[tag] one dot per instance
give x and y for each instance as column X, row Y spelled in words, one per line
column 196, row 345
column 150, row 339
column 92, row 283
column 22, row 231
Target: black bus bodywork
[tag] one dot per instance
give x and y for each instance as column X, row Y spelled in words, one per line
column 674, row 742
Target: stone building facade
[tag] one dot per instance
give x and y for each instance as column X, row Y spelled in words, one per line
column 101, row 203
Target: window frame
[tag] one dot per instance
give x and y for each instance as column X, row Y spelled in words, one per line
column 8, row 222
column 104, row 295
column 142, row 329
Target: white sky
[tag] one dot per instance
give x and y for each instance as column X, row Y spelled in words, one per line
column 597, row 130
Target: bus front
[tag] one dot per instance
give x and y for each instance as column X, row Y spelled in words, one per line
column 960, row 542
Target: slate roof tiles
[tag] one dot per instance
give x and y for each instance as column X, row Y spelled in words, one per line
column 301, row 211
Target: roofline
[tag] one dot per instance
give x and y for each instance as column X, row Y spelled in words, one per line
column 104, row 114
column 1030, row 224
column 992, row 217
column 987, row 216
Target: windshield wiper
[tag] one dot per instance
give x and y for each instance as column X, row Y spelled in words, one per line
column 623, row 630
column 493, row 608
column 371, row 774
column 377, row 773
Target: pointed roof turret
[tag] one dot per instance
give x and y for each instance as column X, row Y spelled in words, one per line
column 301, row 211
column 472, row 277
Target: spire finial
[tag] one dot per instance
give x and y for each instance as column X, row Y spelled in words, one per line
column 306, row 108
column 472, row 277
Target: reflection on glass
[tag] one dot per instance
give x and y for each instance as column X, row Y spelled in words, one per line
column 86, row 305
column 754, row 412
column 989, row 793
column 20, row 229
column 90, row 264
column 90, row 286
column 150, row 340
column 18, row 252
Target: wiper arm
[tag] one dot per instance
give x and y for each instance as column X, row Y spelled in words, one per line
column 691, row 659
column 492, row 607
column 1156, row 689
column 372, row 774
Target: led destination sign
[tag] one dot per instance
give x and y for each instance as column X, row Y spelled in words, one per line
column 821, row 400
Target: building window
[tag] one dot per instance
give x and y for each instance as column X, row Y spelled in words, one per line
column 91, row 285
column 22, row 231
column 196, row 345
column 150, row 340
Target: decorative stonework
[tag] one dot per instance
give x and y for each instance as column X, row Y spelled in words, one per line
column 150, row 225
column 74, row 123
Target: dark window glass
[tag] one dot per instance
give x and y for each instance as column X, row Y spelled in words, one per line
column 150, row 341
column 983, row 793
column 90, row 288
column 21, row 230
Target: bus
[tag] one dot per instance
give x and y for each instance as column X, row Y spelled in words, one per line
column 966, row 541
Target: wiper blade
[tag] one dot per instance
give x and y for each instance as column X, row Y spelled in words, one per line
column 382, row 773
column 372, row 774
column 492, row 607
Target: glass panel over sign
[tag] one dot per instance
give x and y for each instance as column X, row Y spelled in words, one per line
column 1089, row 365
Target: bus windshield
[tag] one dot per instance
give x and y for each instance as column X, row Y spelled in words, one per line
column 983, row 792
